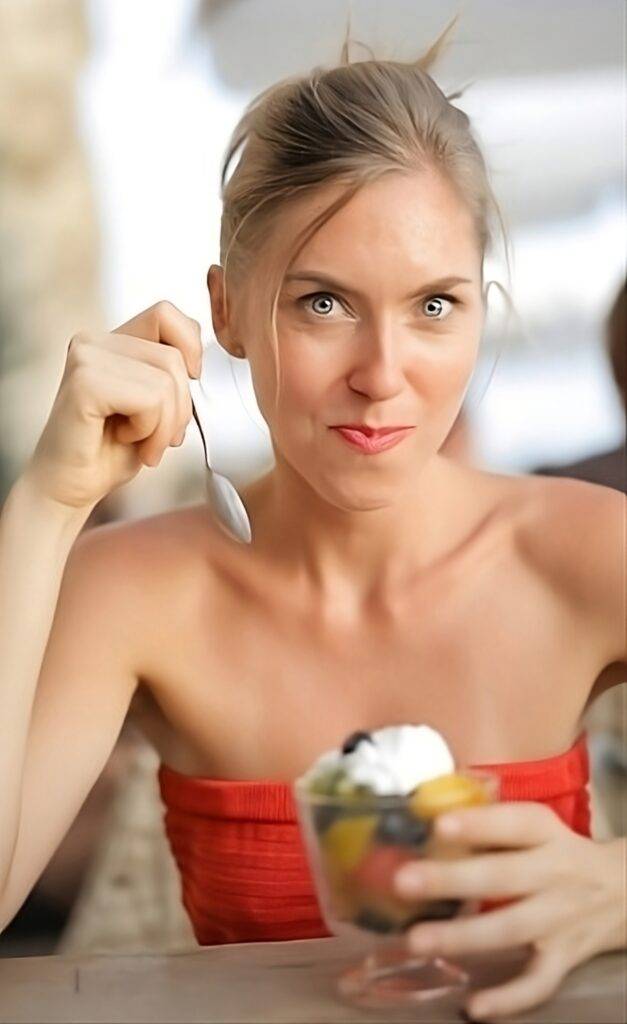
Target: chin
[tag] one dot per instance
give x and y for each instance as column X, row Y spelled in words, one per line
column 346, row 489
column 353, row 497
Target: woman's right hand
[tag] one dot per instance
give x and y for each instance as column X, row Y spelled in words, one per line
column 123, row 399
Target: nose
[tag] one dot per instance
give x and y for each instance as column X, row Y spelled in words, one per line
column 376, row 370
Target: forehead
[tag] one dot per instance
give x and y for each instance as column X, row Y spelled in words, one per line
column 400, row 224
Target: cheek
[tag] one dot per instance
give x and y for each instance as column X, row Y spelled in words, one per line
column 305, row 382
column 446, row 370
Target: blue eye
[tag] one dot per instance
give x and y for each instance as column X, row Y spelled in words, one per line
column 316, row 297
column 329, row 298
column 437, row 300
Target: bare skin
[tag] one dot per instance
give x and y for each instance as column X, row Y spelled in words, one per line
column 234, row 637
column 394, row 587
column 374, row 589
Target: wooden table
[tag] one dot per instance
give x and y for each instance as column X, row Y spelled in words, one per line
column 290, row 982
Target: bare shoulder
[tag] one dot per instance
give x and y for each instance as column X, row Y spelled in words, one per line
column 574, row 532
column 176, row 529
column 144, row 563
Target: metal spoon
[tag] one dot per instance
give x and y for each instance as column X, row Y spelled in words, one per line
column 221, row 494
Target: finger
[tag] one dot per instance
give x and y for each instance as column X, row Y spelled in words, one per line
column 164, row 357
column 495, row 875
column 516, row 823
column 516, row 925
column 153, row 420
column 165, row 323
column 537, row 982
column 100, row 396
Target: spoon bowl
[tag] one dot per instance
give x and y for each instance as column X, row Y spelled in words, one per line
column 222, row 496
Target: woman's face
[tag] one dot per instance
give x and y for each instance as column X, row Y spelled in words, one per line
column 366, row 337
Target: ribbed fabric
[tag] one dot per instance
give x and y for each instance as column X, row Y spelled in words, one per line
column 243, row 867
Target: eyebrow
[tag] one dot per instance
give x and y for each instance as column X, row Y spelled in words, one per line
column 330, row 282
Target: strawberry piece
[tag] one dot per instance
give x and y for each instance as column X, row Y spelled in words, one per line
column 375, row 873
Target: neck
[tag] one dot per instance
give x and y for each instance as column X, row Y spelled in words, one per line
column 350, row 558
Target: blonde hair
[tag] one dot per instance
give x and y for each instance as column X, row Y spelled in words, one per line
column 349, row 125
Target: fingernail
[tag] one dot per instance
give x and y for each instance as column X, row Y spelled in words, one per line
column 447, row 825
column 408, row 881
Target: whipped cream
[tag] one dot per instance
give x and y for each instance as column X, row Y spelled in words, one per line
column 392, row 761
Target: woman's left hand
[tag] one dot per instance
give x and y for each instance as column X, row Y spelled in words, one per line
column 570, row 905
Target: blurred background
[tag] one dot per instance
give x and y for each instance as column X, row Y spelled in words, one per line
column 114, row 118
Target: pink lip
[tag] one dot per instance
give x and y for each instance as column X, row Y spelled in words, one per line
column 376, row 441
column 370, row 431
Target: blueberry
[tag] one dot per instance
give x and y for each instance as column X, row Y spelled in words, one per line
column 402, row 828
column 355, row 738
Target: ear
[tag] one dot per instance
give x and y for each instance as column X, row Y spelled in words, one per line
column 219, row 318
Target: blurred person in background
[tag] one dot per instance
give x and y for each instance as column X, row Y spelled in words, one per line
column 608, row 468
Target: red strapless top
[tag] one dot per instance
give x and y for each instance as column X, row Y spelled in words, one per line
column 244, row 872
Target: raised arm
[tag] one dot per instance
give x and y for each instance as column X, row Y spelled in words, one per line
column 66, row 645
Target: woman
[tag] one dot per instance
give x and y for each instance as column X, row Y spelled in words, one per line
column 380, row 586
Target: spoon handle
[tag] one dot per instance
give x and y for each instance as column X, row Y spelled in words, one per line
column 202, row 436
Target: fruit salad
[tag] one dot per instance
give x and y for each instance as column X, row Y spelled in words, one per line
column 369, row 807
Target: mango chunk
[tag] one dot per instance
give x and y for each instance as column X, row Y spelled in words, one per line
column 446, row 793
column 346, row 840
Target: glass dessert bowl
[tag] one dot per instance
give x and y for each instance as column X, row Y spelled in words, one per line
column 364, row 811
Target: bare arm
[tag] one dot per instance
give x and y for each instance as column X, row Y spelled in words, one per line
column 66, row 625
column 35, row 541
column 65, row 685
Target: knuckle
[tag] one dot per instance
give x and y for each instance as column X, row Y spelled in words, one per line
column 164, row 307
column 78, row 346
column 167, row 386
column 176, row 359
